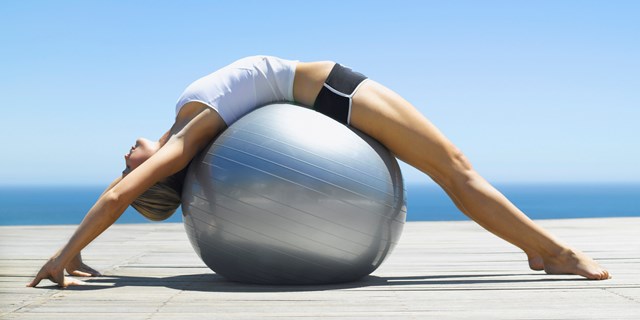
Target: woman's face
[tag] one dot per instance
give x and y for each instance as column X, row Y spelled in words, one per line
column 140, row 152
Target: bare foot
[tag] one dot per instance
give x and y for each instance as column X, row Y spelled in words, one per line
column 575, row 262
column 535, row 261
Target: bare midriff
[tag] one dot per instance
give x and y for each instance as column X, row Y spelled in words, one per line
column 308, row 81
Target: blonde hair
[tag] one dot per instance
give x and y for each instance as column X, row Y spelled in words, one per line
column 163, row 198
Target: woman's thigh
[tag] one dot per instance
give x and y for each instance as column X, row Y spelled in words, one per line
column 390, row 119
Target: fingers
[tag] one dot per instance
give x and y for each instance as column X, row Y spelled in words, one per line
column 79, row 273
column 84, row 271
column 64, row 283
column 52, row 271
column 35, row 281
column 72, row 282
column 41, row 275
column 91, row 271
column 57, row 278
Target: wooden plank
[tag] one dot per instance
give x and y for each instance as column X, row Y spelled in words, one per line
column 438, row 270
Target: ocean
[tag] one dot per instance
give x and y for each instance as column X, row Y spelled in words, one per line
column 40, row 205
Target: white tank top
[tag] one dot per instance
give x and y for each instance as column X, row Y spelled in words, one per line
column 243, row 86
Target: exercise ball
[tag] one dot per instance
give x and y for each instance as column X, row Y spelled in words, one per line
column 286, row 195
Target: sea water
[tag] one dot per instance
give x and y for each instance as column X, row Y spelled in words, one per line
column 44, row 205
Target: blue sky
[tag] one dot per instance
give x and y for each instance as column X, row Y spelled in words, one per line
column 537, row 91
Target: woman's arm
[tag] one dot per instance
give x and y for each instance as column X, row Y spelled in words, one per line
column 189, row 135
column 76, row 267
column 111, row 185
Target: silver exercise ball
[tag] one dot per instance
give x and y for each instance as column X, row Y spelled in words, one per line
column 286, row 195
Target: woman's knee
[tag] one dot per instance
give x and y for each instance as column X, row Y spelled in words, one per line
column 456, row 170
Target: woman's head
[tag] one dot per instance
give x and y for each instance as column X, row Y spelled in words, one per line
column 142, row 150
column 163, row 198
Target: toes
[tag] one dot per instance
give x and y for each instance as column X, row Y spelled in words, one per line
column 600, row 275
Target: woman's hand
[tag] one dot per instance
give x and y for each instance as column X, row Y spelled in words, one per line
column 76, row 267
column 54, row 271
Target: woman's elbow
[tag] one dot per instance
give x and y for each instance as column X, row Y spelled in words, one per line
column 113, row 204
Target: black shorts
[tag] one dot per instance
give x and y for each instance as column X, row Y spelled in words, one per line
column 334, row 99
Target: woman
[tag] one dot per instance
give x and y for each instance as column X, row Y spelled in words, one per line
column 151, row 181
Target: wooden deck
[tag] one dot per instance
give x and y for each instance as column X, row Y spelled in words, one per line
column 440, row 270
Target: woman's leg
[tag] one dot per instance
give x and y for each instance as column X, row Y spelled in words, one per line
column 393, row 121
